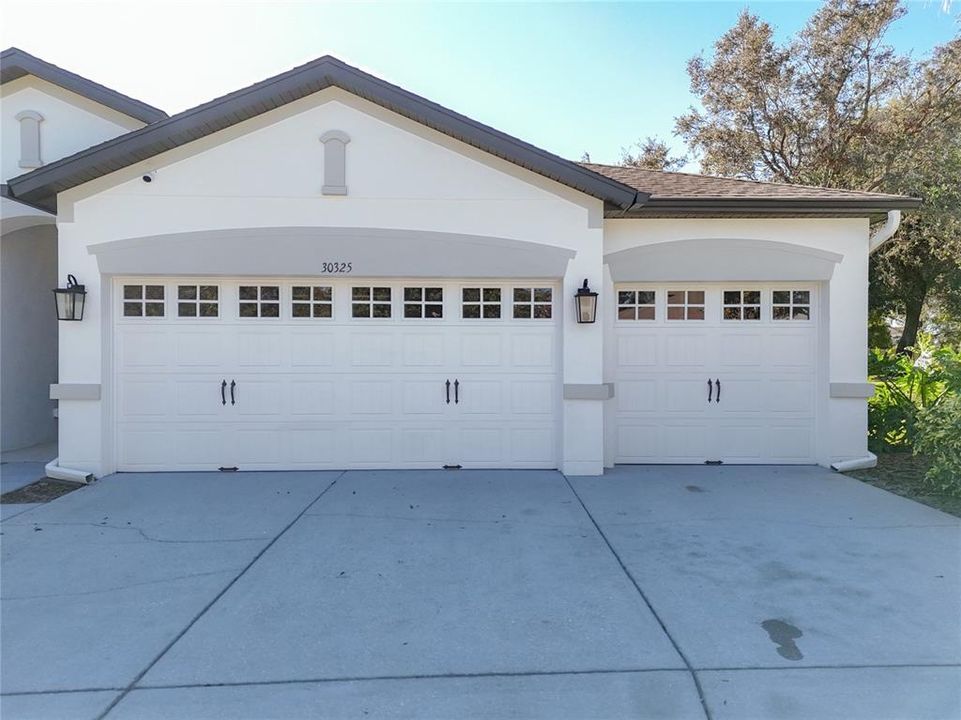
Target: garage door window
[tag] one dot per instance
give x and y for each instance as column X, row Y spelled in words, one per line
column 423, row 302
column 685, row 304
column 742, row 304
column 143, row 300
column 791, row 305
column 532, row 303
column 370, row 302
column 635, row 305
column 481, row 303
column 308, row 301
column 198, row 301
column 259, row 301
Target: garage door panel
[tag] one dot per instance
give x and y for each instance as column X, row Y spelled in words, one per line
column 685, row 441
column 791, row 442
column 371, row 397
column 330, row 390
column 143, row 348
column 311, row 445
column 371, row 349
column 423, row 350
column 637, row 351
column 684, row 395
column 480, row 396
column 369, row 446
column 482, row 349
column 260, row 348
column 740, row 350
column 198, row 397
column 686, row 349
column 532, row 397
column 532, row 351
column 789, row 350
column 637, row 442
column 767, row 369
column 480, row 444
column 424, row 446
column 312, row 349
column 423, row 397
column 532, row 445
column 254, row 447
column 308, row 397
column 144, row 397
column 259, row 396
column 637, row 396
column 742, row 395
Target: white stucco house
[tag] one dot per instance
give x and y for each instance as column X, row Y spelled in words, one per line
column 323, row 270
column 46, row 113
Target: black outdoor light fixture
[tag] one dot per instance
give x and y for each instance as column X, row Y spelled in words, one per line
column 70, row 300
column 586, row 300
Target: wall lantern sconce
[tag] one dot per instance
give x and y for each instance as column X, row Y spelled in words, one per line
column 586, row 301
column 70, row 300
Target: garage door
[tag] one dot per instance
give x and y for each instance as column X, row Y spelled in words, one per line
column 272, row 374
column 708, row 373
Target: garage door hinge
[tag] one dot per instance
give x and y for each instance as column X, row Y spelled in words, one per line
column 228, row 469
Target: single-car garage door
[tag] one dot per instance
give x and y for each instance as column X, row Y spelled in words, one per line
column 715, row 372
column 274, row 374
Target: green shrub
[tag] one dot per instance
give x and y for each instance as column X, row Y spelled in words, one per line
column 905, row 384
column 938, row 435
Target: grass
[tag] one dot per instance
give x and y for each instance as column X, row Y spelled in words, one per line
column 903, row 474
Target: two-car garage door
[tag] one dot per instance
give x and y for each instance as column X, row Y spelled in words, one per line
column 715, row 372
column 283, row 374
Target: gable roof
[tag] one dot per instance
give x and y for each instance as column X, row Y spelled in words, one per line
column 15, row 63
column 674, row 192
column 40, row 187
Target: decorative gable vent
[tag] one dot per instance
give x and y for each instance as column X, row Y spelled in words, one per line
column 335, row 162
column 30, row 138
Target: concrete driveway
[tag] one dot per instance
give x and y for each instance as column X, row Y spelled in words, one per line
column 650, row 592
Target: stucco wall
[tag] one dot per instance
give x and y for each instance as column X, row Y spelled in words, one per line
column 70, row 122
column 28, row 336
column 842, row 422
column 268, row 173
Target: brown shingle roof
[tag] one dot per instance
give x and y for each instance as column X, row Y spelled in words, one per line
column 687, row 190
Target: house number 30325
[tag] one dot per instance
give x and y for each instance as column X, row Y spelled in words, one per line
column 337, row 267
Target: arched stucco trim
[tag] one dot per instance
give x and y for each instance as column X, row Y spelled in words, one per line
column 309, row 251
column 714, row 259
column 29, row 138
column 335, row 162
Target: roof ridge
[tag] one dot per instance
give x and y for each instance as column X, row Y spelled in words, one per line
column 635, row 168
column 14, row 58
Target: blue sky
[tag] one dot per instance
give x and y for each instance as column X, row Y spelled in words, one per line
column 567, row 77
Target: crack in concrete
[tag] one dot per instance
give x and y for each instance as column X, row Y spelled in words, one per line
column 143, row 533
column 159, row 581
column 499, row 521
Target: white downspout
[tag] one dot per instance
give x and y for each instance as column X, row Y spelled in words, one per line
column 56, row 472
column 880, row 236
column 884, row 233
column 868, row 461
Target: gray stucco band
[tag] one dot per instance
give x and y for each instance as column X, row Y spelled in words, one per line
column 580, row 391
column 75, row 391
column 852, row 390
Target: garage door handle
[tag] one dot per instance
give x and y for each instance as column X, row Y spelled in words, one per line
column 447, row 385
column 223, row 392
column 232, row 386
column 456, row 391
column 718, row 399
column 710, row 389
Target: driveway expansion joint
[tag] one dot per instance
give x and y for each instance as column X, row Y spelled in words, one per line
column 677, row 648
column 126, row 691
